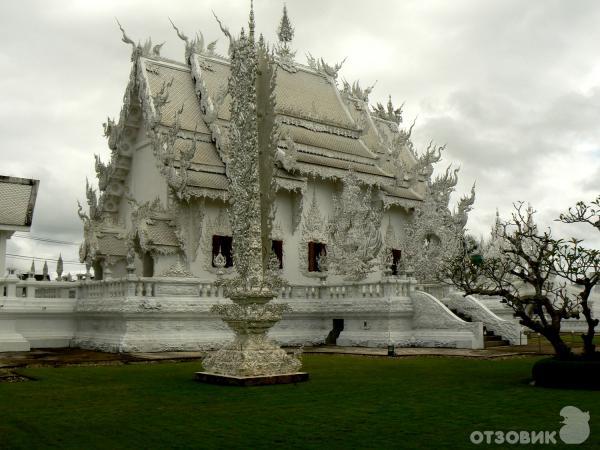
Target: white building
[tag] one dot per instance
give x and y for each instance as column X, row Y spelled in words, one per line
column 359, row 219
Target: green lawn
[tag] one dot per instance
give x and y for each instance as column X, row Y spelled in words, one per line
column 350, row 402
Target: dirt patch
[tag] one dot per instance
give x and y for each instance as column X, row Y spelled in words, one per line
column 8, row 376
column 61, row 357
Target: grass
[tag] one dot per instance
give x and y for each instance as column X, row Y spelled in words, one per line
column 350, row 402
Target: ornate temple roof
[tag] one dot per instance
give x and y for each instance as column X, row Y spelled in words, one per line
column 324, row 131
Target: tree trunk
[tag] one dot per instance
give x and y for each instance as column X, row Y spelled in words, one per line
column 563, row 351
column 550, row 332
column 589, row 349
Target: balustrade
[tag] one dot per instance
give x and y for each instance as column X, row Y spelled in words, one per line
column 133, row 286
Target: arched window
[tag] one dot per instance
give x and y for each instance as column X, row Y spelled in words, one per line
column 315, row 251
column 277, row 248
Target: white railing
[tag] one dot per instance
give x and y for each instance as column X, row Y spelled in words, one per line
column 378, row 289
column 134, row 286
column 438, row 290
column 13, row 287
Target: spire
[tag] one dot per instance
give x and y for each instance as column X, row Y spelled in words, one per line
column 32, row 268
column 251, row 23
column 285, row 34
column 45, row 271
column 285, row 31
column 59, row 267
column 497, row 225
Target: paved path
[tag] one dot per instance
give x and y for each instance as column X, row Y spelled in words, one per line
column 498, row 352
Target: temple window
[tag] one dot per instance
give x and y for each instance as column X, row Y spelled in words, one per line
column 147, row 265
column 315, row 251
column 98, row 270
column 222, row 244
column 396, row 255
column 277, row 248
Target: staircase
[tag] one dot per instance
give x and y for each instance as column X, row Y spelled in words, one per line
column 489, row 338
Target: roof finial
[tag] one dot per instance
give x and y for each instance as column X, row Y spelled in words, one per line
column 125, row 38
column 251, row 23
column 59, row 267
column 283, row 50
column 285, row 31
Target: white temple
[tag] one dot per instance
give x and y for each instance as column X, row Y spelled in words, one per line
column 359, row 227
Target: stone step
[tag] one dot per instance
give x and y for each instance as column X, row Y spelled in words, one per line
column 491, row 336
column 490, row 339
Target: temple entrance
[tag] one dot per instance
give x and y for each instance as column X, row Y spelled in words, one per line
column 338, row 327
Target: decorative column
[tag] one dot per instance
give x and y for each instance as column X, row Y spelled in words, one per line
column 252, row 358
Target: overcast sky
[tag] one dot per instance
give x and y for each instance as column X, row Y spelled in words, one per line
column 512, row 88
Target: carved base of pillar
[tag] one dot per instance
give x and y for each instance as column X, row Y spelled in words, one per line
column 251, row 356
column 262, row 380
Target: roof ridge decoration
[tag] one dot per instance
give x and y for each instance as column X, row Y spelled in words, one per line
column 103, row 172
column 138, row 49
column 393, row 162
column 320, row 127
column 465, row 205
column 356, row 91
column 210, row 106
column 443, row 185
column 173, row 164
column 285, row 33
column 121, row 134
column 289, row 157
column 320, row 66
column 95, row 206
column 196, row 45
column 388, row 112
column 423, row 169
column 161, row 98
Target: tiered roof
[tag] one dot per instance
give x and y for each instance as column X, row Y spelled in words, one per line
column 325, row 132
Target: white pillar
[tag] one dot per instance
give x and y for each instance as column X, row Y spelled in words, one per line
column 4, row 235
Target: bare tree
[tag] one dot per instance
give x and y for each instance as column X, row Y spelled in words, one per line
column 581, row 266
column 532, row 272
column 583, row 213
